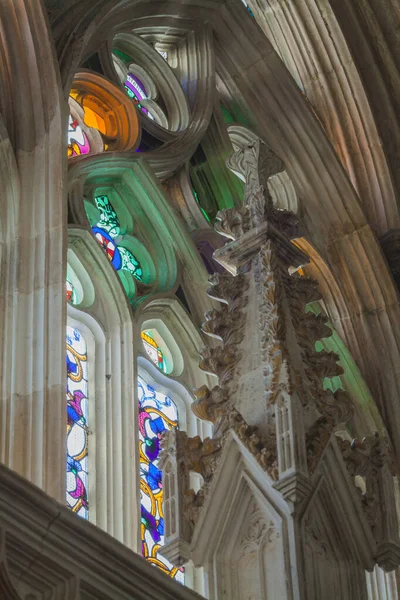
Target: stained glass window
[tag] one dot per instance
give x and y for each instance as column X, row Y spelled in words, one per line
column 77, row 420
column 106, row 231
column 78, row 142
column 130, row 263
column 136, row 90
column 108, row 217
column 157, row 413
column 109, row 246
column 153, row 350
column 71, row 293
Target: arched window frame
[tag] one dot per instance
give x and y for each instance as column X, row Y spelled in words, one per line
column 107, row 321
column 165, row 385
column 95, row 344
column 187, row 422
column 184, row 342
column 111, row 309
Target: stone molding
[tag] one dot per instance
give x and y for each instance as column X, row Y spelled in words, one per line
column 102, row 568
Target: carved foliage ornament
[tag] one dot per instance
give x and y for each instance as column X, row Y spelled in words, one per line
column 262, row 449
column 226, row 324
column 367, row 456
column 208, row 403
column 228, row 290
column 272, row 322
column 232, row 222
column 372, row 458
column 258, row 531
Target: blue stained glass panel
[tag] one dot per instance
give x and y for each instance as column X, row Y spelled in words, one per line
column 157, row 413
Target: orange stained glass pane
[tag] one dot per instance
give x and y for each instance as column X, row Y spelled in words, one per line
column 100, row 115
column 92, row 119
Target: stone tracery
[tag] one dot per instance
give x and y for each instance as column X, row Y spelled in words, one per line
column 262, row 384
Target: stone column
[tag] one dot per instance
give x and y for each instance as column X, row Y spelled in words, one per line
column 381, row 585
column 32, row 292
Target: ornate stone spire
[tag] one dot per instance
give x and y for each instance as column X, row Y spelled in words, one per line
column 270, row 395
column 298, row 408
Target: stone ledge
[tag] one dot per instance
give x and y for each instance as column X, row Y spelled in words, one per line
column 45, row 546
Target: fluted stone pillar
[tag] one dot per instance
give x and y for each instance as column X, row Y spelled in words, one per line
column 381, row 585
column 32, row 291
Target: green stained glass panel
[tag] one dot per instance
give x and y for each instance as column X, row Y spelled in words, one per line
column 108, row 217
column 130, row 263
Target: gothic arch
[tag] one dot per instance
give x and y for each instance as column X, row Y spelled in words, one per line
column 155, row 217
column 109, row 320
column 135, row 185
column 186, row 336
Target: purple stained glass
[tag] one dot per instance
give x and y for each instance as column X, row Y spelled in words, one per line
column 136, row 86
column 136, row 90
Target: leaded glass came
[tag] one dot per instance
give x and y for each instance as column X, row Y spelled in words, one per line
column 157, row 413
column 77, row 423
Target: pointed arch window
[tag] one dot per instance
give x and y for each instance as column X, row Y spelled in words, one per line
column 77, row 423
column 157, row 413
